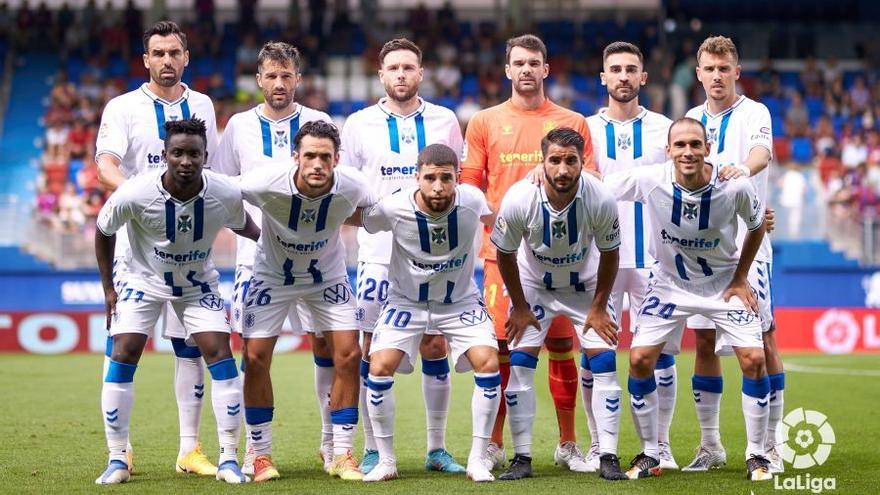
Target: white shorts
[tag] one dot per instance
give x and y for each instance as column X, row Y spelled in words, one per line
column 633, row 282
column 547, row 305
column 759, row 280
column 138, row 312
column 666, row 307
column 243, row 274
column 372, row 292
column 325, row 307
column 465, row 324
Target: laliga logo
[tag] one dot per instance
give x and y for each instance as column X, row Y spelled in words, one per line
column 836, row 332
column 804, row 440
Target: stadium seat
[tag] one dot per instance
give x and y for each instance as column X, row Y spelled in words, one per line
column 470, row 85
column 781, row 149
column 802, row 150
column 337, row 66
column 358, row 87
column 336, row 107
column 337, row 88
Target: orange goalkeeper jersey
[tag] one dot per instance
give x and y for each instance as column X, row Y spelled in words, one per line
column 504, row 144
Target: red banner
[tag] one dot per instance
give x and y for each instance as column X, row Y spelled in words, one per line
column 828, row 330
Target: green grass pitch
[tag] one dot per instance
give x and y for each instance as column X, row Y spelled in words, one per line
column 54, row 440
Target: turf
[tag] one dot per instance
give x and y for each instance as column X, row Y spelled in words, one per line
column 55, row 439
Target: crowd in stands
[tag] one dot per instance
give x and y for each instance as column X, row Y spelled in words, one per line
column 825, row 118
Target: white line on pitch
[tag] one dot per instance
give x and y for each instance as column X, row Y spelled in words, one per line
column 819, row 370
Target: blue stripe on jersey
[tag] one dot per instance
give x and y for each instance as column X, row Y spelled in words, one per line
column 452, row 223
column 546, row 216
column 423, row 292
column 640, row 235
column 572, row 224
column 199, row 222
column 450, row 286
column 637, row 139
column 294, row 128
column 160, row 118
column 393, row 136
column 420, row 131
column 705, row 201
column 170, row 217
column 176, row 291
column 266, row 133
column 295, row 207
column 548, row 280
column 704, row 119
column 317, row 277
column 679, row 265
column 575, row 281
column 184, row 109
column 288, row 272
column 424, row 239
column 610, row 145
column 722, row 131
column 323, row 209
column 676, row 205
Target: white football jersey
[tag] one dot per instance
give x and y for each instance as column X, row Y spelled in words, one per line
column 385, row 147
column 694, row 232
column 171, row 240
column 432, row 257
column 250, row 141
column 619, row 146
column 732, row 135
column 300, row 242
column 554, row 246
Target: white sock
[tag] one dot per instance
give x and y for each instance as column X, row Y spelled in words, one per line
column 755, row 401
column 369, row 439
column 587, row 397
column 259, row 428
column 108, row 351
column 324, row 374
column 436, row 388
column 520, row 398
column 381, row 405
column 189, row 388
column 606, row 400
column 226, row 398
column 484, row 409
column 117, row 398
column 643, row 405
column 707, row 399
column 777, row 406
column 667, row 388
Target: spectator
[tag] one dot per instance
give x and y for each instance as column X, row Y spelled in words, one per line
column 831, row 71
column 859, row 96
column 793, row 190
column 562, row 92
column 854, row 151
column 56, row 138
column 797, row 117
column 448, row 75
column 465, row 110
column 811, row 77
column 824, row 137
column 246, row 55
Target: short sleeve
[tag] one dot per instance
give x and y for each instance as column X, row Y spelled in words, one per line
column 377, row 218
column 748, row 206
column 474, row 163
column 117, row 211
column 250, row 185
column 113, row 132
column 760, row 129
column 510, row 225
column 456, row 142
column 349, row 151
column 236, row 219
column 211, row 133
column 606, row 224
column 226, row 160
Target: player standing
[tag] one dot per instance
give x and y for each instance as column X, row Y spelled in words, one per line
column 739, row 131
column 172, row 217
column 544, row 236
column 300, row 260
column 502, row 148
column 625, row 136
column 694, row 219
column 434, row 225
column 263, row 137
column 129, row 143
column 384, row 141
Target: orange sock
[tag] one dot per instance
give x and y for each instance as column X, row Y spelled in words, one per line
column 563, row 379
column 498, row 429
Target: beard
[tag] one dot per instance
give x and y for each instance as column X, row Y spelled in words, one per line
column 634, row 93
column 408, row 95
column 436, row 205
column 560, row 188
column 165, row 82
column 276, row 104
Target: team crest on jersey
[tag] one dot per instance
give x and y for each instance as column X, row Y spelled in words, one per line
column 690, row 210
column 408, row 136
column 308, row 216
column 337, row 294
column 184, row 223
column 279, row 140
column 624, row 141
column 559, row 230
column 438, row 235
column 549, row 125
column 506, row 129
column 712, row 134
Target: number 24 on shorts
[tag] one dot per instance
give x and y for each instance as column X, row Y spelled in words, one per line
column 653, row 302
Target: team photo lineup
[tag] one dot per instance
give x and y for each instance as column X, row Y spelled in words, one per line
column 566, row 213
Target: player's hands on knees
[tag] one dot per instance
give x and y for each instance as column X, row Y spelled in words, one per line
column 517, row 322
column 110, row 298
column 740, row 288
column 728, row 172
column 770, row 219
column 601, row 322
column 536, row 175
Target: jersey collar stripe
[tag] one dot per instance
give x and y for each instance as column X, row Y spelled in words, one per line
column 640, row 239
column 266, row 132
column 723, row 130
column 705, row 201
column 452, row 225
column 574, row 281
column 450, row 287
column 572, row 224
column 546, row 217
column 637, row 139
column 160, row 118
column 184, row 109
column 199, row 220
column 424, row 239
column 393, row 136
column 323, row 209
column 423, row 292
column 676, row 205
column 420, row 131
column 170, row 227
column 295, row 207
column 609, row 141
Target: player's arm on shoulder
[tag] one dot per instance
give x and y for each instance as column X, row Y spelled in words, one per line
column 378, row 216
column 589, row 156
column 473, row 167
column 626, row 185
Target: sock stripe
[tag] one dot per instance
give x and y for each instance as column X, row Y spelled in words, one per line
column 182, row 350
column 604, row 362
column 324, row 362
column 487, row 380
column 224, row 369
column 523, row 359
column 365, row 369
column 344, row 416
column 714, row 384
column 777, row 381
column 434, row 367
column 378, row 384
column 585, row 361
column 120, row 372
column 665, row 361
column 756, row 388
column 641, row 387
